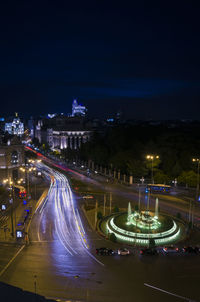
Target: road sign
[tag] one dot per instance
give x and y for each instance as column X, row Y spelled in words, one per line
column 3, row 207
column 19, row 234
column 142, row 180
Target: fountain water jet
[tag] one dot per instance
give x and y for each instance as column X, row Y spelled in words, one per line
column 156, row 209
column 129, row 209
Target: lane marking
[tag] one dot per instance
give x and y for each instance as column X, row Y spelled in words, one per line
column 13, row 258
column 39, row 224
column 169, row 293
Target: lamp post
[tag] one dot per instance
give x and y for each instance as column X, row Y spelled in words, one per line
column 27, row 170
column 197, row 188
column 10, row 182
column 152, row 157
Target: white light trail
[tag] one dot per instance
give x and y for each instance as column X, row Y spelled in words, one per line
column 68, row 225
column 169, row 293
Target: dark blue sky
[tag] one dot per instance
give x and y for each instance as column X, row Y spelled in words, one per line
column 141, row 59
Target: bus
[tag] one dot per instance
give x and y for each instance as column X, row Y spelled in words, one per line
column 20, row 191
column 158, row 188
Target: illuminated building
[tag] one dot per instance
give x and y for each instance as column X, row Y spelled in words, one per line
column 63, row 132
column 16, row 127
column 78, row 109
column 11, row 158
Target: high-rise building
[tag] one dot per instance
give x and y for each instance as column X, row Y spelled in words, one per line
column 78, row 109
column 16, row 127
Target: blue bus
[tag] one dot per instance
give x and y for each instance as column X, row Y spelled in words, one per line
column 157, row 188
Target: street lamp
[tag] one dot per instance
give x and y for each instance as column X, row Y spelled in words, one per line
column 26, row 170
column 152, row 157
column 20, row 181
column 197, row 188
column 10, row 182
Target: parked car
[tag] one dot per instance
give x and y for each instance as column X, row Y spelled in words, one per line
column 123, row 252
column 148, row 251
column 170, row 249
column 191, row 250
column 104, row 251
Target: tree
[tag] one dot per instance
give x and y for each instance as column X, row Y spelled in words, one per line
column 36, row 142
column 161, row 178
column 135, row 167
column 113, row 237
column 116, row 209
column 152, row 243
column 188, row 178
column 2, row 190
column 136, row 207
column 45, row 147
column 99, row 215
column 190, row 225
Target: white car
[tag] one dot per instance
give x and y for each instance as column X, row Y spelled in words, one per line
column 171, row 249
column 123, row 252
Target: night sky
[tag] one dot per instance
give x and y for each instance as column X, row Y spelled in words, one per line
column 143, row 59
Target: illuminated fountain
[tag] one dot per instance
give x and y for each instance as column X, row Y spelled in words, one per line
column 144, row 219
column 142, row 226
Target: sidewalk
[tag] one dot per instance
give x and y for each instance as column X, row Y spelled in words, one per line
column 6, row 229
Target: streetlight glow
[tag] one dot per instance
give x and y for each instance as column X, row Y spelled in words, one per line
column 152, row 157
column 197, row 188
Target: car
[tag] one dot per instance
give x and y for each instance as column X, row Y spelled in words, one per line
column 197, row 249
column 123, row 252
column 191, row 250
column 148, row 251
column 170, row 249
column 104, row 251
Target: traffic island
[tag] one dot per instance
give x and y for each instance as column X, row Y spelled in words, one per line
column 142, row 228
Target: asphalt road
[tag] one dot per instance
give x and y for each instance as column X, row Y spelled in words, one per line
column 61, row 260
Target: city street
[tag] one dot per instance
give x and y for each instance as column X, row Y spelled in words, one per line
column 61, row 259
column 99, row 151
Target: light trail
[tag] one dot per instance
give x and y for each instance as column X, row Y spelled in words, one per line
column 169, row 293
column 68, row 224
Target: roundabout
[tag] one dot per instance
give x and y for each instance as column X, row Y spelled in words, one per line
column 142, row 227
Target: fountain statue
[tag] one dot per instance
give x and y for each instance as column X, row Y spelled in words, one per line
column 139, row 226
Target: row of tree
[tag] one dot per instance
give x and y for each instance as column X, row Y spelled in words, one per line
column 125, row 147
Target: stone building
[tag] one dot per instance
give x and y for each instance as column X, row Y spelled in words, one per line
column 63, row 132
column 11, row 159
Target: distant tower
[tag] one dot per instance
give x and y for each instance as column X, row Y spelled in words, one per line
column 74, row 105
column 78, row 109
